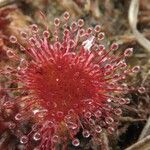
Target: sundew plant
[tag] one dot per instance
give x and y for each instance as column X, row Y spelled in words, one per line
column 66, row 82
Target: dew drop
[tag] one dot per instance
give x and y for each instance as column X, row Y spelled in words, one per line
column 23, row 64
column 128, row 52
column 18, row 117
column 67, row 118
column 60, row 114
column 87, row 114
column 108, row 67
column 107, row 73
column 55, row 138
column 46, row 34
column 82, row 81
column 109, row 120
column 75, row 105
column 98, row 114
column 57, row 45
column 81, row 32
column 118, row 111
column 111, row 130
column 34, row 28
column 136, row 69
column 11, row 125
column 35, row 127
column 10, row 54
column 141, row 90
column 23, row 35
column 89, row 30
column 71, row 111
column 32, row 41
column 75, row 142
column 97, row 28
column 91, row 122
column 98, row 129
column 71, row 43
column 76, row 74
column 80, row 22
column 123, row 65
column 114, row 46
column 72, row 125
column 127, row 101
column 101, row 36
column 9, row 69
column 66, row 15
column 101, row 48
column 57, row 22
column 86, row 133
column 66, row 32
column 109, row 100
column 74, row 26
column 50, row 124
column 12, row 39
column 24, row 139
column 8, row 104
column 116, row 76
column 22, row 48
column 122, row 101
column 37, row 136
column 95, row 47
column 57, row 79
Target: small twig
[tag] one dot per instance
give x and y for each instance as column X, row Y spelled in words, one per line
column 95, row 9
column 71, row 6
column 130, row 119
column 145, row 77
column 6, row 3
column 122, row 130
column 132, row 16
column 133, row 109
column 105, row 142
column 146, row 130
column 143, row 144
column 3, row 139
column 126, row 39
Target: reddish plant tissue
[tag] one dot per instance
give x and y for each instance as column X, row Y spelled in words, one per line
column 68, row 82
